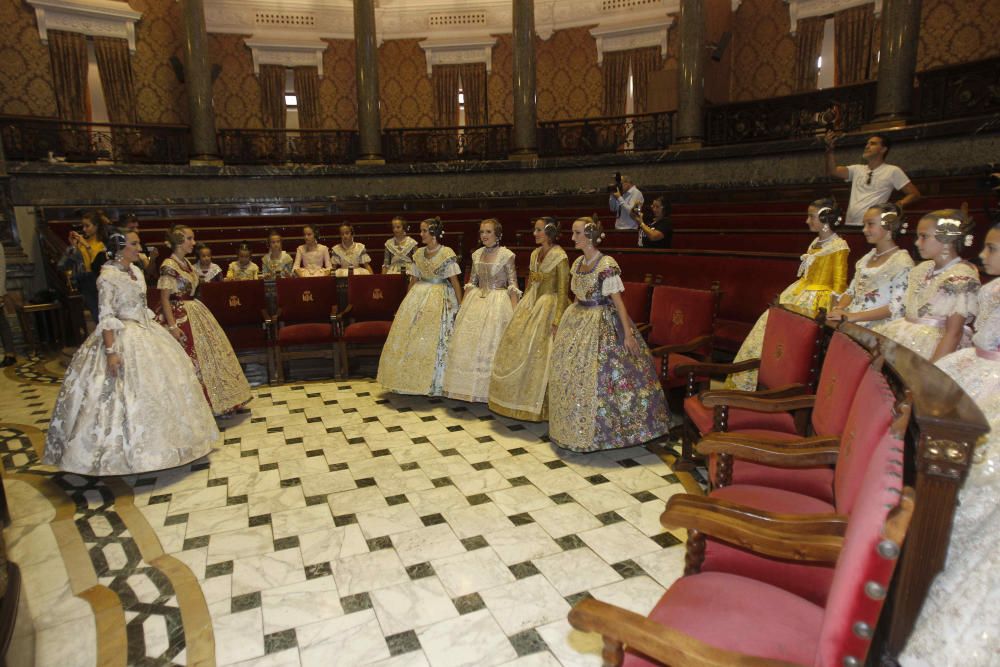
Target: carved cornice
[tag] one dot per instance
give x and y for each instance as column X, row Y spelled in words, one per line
column 804, row 9
column 98, row 18
column 287, row 53
column 441, row 52
column 623, row 38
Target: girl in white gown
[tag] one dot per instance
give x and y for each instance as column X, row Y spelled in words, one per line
column 958, row 623
column 940, row 299
column 349, row 255
column 130, row 402
column 490, row 298
column 880, row 276
column 413, row 358
column 399, row 249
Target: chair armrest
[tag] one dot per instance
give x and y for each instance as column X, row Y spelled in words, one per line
column 800, row 453
column 343, row 313
column 778, row 392
column 754, row 401
column 690, row 346
column 663, row 644
column 643, row 328
column 799, row 537
column 277, row 314
column 714, row 369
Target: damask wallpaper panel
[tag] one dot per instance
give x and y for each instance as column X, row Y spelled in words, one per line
column 236, row 93
column 500, row 82
column 161, row 98
column 26, row 75
column 404, row 87
column 957, row 31
column 338, row 91
column 763, row 51
column 568, row 76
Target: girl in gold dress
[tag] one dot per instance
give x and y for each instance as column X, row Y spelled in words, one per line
column 349, row 255
column 414, row 356
column 822, row 273
column 194, row 327
column 520, row 379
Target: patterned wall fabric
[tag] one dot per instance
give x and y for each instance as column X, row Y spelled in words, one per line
column 338, row 89
column 26, row 74
column 500, row 83
column 763, row 51
column 956, row 31
column 236, row 93
column 160, row 97
column 406, row 91
column 568, row 77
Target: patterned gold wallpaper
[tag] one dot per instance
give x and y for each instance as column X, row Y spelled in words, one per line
column 338, row 91
column 763, row 51
column 160, row 96
column 500, row 83
column 568, row 77
column 956, row 31
column 406, row 91
column 236, row 93
column 26, row 73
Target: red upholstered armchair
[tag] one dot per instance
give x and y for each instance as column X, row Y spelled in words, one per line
column 636, row 300
column 788, row 365
column 680, row 332
column 307, row 326
column 718, row 618
column 241, row 309
column 372, row 302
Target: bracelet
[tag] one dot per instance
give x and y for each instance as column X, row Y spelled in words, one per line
column 172, row 327
column 109, row 351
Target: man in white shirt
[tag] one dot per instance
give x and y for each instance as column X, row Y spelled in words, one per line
column 873, row 183
column 623, row 201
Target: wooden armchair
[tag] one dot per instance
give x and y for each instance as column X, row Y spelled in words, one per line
column 716, row 618
column 241, row 308
column 636, row 300
column 307, row 321
column 788, row 366
column 363, row 326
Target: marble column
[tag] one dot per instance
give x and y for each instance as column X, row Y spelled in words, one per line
column 897, row 61
column 525, row 120
column 366, row 62
column 198, row 82
column 689, row 123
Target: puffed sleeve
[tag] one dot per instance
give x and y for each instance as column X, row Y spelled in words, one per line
column 611, row 279
column 562, row 289
column 168, row 279
column 512, row 275
column 298, row 259
column 451, row 268
column 365, row 259
column 106, row 290
column 958, row 295
column 335, row 259
column 413, row 270
column 327, row 260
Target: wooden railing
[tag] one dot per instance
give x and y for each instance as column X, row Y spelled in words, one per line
column 441, row 144
column 955, row 91
column 260, row 146
column 32, row 139
column 613, row 134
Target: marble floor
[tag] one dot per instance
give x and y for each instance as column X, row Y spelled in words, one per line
column 334, row 525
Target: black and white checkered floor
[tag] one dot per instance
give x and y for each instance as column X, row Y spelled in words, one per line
column 335, row 525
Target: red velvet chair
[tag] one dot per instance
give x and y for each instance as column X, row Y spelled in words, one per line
column 636, row 300
column 844, row 365
column 307, row 321
column 372, row 302
column 788, row 365
column 717, row 618
column 240, row 306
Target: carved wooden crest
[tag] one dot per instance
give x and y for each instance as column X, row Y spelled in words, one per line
column 307, row 296
column 234, row 301
column 678, row 318
column 377, row 295
column 779, row 350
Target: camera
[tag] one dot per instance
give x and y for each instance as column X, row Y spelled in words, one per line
column 615, row 186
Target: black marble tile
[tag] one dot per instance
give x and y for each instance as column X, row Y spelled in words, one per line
column 456, row 428
column 420, row 570
column 293, row 441
column 348, row 411
column 379, row 543
column 438, row 482
column 517, row 451
column 671, row 478
column 515, row 427
column 364, row 482
column 628, row 463
column 397, row 499
column 257, row 420
column 576, row 597
column 145, row 481
column 334, row 467
column 290, row 482
column 420, row 440
column 412, row 465
column 467, row 604
column 523, row 570
column 545, row 438
column 404, row 642
column 162, row 498
column 451, row 451
column 666, row 540
column 264, row 467
column 380, row 452
column 519, row 481
column 357, row 602
column 432, row 519
column 521, row 519
column 567, row 542
column 555, row 465
column 363, row 394
column 244, row 602
column 290, row 542
column 484, row 438
column 315, row 500
column 474, row 542
column 275, row 429
column 428, row 418
column 236, row 500
column 482, row 465
column 175, row 519
column 369, row 420
column 195, row 542
column 644, row 496
column 334, row 429
column 314, row 453
column 487, row 418
column 628, row 568
column 331, row 401
column 318, row 570
column 393, row 429
column 357, row 440
column 280, row 641
column 344, row 519
column 232, row 441
column 528, row 642
column 478, row 499
column 219, row 569
column 218, row 481
column 308, row 395
column 561, row 498
column 597, row 479
column 202, row 465
column 262, row 520
column 608, row 518
column 248, row 453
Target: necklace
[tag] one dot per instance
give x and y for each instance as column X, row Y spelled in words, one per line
column 589, row 265
column 490, row 249
column 822, row 242
column 182, row 261
column 428, row 252
column 885, row 252
column 936, row 271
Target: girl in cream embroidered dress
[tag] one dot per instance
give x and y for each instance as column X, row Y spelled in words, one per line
column 884, row 285
column 822, row 273
column 413, row 358
column 399, row 255
column 490, row 297
column 958, row 622
column 215, row 363
column 124, row 422
column 350, row 255
column 603, row 391
column 520, row 379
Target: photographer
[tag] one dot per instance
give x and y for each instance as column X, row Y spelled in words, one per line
column 623, row 200
column 84, row 257
column 659, row 233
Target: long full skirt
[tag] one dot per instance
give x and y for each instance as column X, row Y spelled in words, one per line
column 921, row 338
column 415, row 352
column 600, row 395
column 958, row 622
column 480, row 324
column 216, row 365
column 520, row 380
column 152, row 416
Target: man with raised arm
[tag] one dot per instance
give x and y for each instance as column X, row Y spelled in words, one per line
column 872, row 183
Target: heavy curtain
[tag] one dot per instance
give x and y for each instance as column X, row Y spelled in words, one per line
column 614, row 73
column 445, row 79
column 272, row 96
column 68, row 53
column 115, row 66
column 307, row 92
column 643, row 62
column 852, row 30
column 473, row 77
column 809, row 44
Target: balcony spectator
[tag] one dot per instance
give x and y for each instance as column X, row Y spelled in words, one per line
column 871, row 183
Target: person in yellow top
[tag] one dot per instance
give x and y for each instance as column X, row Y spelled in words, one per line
column 243, row 268
column 85, row 256
column 822, row 276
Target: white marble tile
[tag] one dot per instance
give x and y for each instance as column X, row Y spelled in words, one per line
column 219, row 520
column 664, row 492
column 480, row 481
column 565, row 519
column 576, row 570
column 72, row 644
column 603, row 498
column 524, row 604
column 412, row 604
column 287, row 658
column 634, row 479
column 411, row 659
column 477, row 452
column 477, row 520
column 283, row 453
column 521, row 543
column 572, row 647
column 253, row 482
column 327, row 482
column 311, row 465
column 300, row 604
column 240, row 543
column 388, row 520
column 618, row 541
column 544, row 659
column 403, row 481
column 358, row 500
column 520, row 499
column 645, row 516
column 471, row 572
column 665, row 566
column 197, row 499
column 638, row 594
column 195, row 559
column 302, row 520
column 556, row 481
column 446, row 466
column 323, row 546
column 368, row 572
column 472, row 640
column 436, row 501
column 410, row 453
column 217, row 588
column 426, row 544
column 519, row 466
column 238, row 636
column 257, row 573
column 179, row 479
column 276, row 500
column 654, row 464
column 370, row 467
column 348, row 641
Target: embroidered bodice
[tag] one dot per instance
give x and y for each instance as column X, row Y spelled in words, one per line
column 874, row 287
column 350, row 258
column 238, row 272
column 493, row 270
column 399, row 255
column 438, row 267
column 987, row 336
column 937, row 295
column 181, row 280
column 603, row 280
column 122, row 296
column 209, row 274
column 276, row 268
column 317, row 258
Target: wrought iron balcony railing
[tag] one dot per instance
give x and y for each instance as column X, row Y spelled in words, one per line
column 260, row 146
column 33, row 139
column 612, row 134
